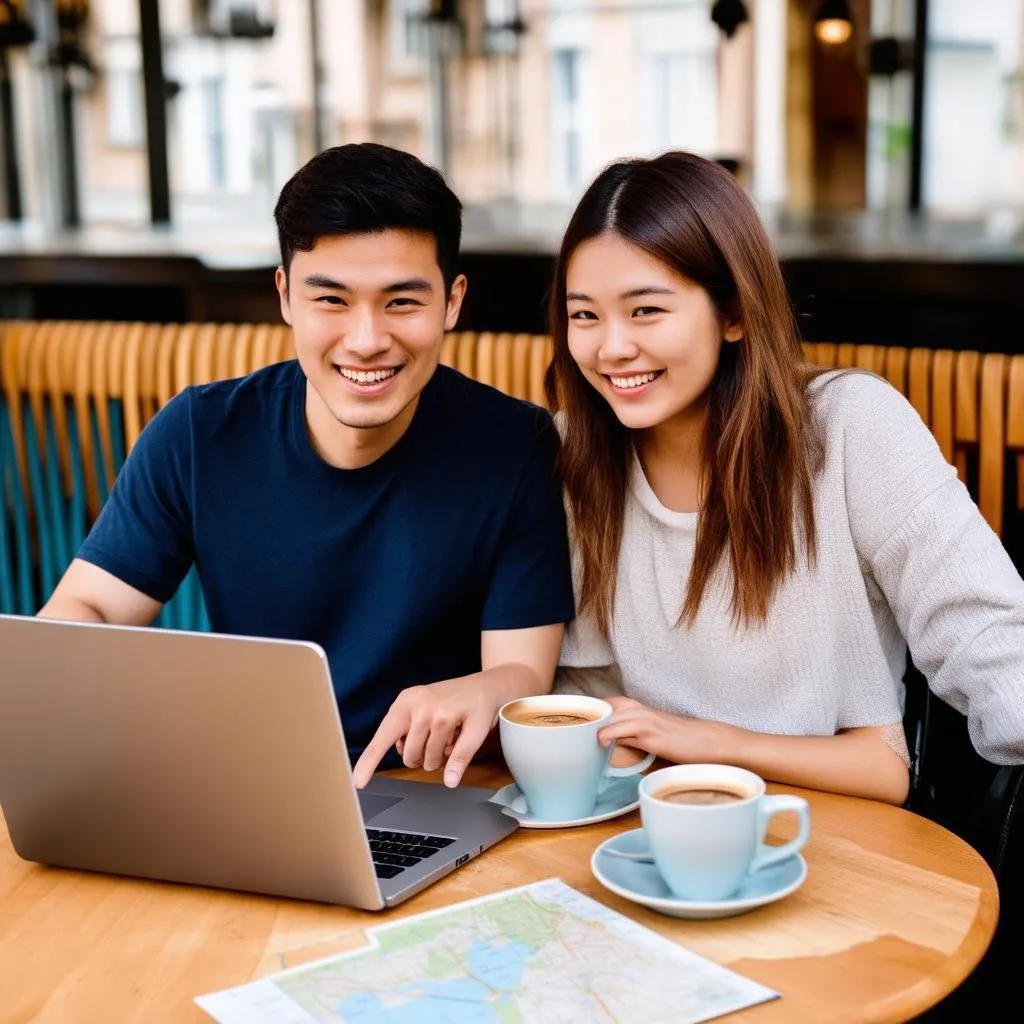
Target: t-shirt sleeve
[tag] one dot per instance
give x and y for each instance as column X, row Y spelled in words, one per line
column 530, row 583
column 143, row 535
column 952, row 588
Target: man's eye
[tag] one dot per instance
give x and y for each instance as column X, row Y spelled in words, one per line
column 582, row 314
column 330, row 300
column 647, row 310
column 404, row 303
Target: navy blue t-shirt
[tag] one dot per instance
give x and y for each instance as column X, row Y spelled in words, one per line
column 394, row 568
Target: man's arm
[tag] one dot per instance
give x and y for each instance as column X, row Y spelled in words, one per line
column 87, row 593
column 453, row 718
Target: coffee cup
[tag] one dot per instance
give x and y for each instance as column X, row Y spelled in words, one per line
column 705, row 826
column 551, row 748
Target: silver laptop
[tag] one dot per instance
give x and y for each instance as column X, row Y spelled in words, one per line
column 212, row 760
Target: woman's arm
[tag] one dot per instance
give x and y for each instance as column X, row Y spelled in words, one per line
column 857, row 762
column 952, row 588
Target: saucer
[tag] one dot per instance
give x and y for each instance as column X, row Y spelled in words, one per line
column 642, row 883
column 619, row 798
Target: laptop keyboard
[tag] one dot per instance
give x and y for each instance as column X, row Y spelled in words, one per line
column 393, row 852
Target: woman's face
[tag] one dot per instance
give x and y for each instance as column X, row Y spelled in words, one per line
column 647, row 338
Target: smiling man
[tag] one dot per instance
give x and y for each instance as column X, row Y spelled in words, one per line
column 407, row 519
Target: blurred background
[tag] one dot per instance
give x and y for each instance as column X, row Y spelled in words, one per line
column 144, row 142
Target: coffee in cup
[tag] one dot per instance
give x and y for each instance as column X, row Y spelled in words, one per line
column 551, row 748
column 521, row 712
column 701, row 794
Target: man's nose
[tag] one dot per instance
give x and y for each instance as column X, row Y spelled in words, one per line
column 367, row 336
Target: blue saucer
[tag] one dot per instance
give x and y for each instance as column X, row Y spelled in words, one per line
column 642, row 883
column 619, row 798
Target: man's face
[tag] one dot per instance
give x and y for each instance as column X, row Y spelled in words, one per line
column 368, row 312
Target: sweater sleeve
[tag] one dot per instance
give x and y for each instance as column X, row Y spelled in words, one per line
column 952, row 588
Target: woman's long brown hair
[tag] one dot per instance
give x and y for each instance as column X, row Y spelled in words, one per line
column 761, row 449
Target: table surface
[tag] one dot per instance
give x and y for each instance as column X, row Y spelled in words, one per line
column 895, row 913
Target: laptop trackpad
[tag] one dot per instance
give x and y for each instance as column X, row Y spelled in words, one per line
column 372, row 804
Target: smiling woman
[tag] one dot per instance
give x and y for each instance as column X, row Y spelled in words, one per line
column 755, row 541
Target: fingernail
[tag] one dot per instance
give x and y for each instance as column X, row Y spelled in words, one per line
column 451, row 779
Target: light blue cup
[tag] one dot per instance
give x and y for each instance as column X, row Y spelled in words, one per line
column 705, row 852
column 561, row 769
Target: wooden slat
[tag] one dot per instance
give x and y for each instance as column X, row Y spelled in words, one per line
column 919, row 391
column 896, row 368
column 259, row 353
column 503, row 362
column 58, row 387
column 90, row 339
column 485, row 358
column 284, row 348
column 967, row 387
column 825, row 353
column 465, row 353
column 184, row 356
column 540, row 357
column 205, row 351
column 519, row 386
column 35, row 382
column 165, row 355
column 942, row 401
column 992, row 439
column 234, row 358
column 1015, row 420
column 133, row 401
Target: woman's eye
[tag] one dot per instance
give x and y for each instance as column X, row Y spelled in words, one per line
column 647, row 310
column 582, row 314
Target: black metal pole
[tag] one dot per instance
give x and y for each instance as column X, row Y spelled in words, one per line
column 154, row 87
column 317, row 72
column 917, row 104
column 12, row 176
column 69, row 166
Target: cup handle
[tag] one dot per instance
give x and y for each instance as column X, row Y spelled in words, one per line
column 627, row 770
column 768, row 807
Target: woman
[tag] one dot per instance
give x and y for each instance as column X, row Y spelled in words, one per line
column 755, row 541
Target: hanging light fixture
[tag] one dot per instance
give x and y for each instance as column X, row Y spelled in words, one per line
column 833, row 23
column 728, row 15
column 15, row 28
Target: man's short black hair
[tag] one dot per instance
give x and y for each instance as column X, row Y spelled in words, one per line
column 362, row 188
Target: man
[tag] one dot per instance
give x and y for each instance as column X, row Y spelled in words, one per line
column 404, row 517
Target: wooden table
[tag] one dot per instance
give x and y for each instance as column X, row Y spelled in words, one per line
column 894, row 914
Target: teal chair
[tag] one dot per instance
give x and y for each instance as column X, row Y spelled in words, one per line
column 43, row 522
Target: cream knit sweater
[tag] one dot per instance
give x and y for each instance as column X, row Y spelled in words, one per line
column 904, row 555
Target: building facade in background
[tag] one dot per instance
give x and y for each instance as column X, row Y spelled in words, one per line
column 522, row 101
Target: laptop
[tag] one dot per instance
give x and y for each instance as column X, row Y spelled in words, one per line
column 211, row 760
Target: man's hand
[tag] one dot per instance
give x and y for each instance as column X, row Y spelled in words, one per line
column 452, row 719
column 428, row 723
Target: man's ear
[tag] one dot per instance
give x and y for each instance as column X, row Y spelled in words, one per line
column 455, row 297
column 281, row 280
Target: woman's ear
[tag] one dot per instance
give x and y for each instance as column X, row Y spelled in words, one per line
column 733, row 331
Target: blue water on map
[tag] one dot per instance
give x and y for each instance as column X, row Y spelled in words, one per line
column 470, row 1000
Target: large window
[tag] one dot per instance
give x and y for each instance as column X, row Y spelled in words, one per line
column 126, row 125
column 567, row 119
column 974, row 135
column 683, row 101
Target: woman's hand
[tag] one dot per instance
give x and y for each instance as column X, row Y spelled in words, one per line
column 682, row 740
